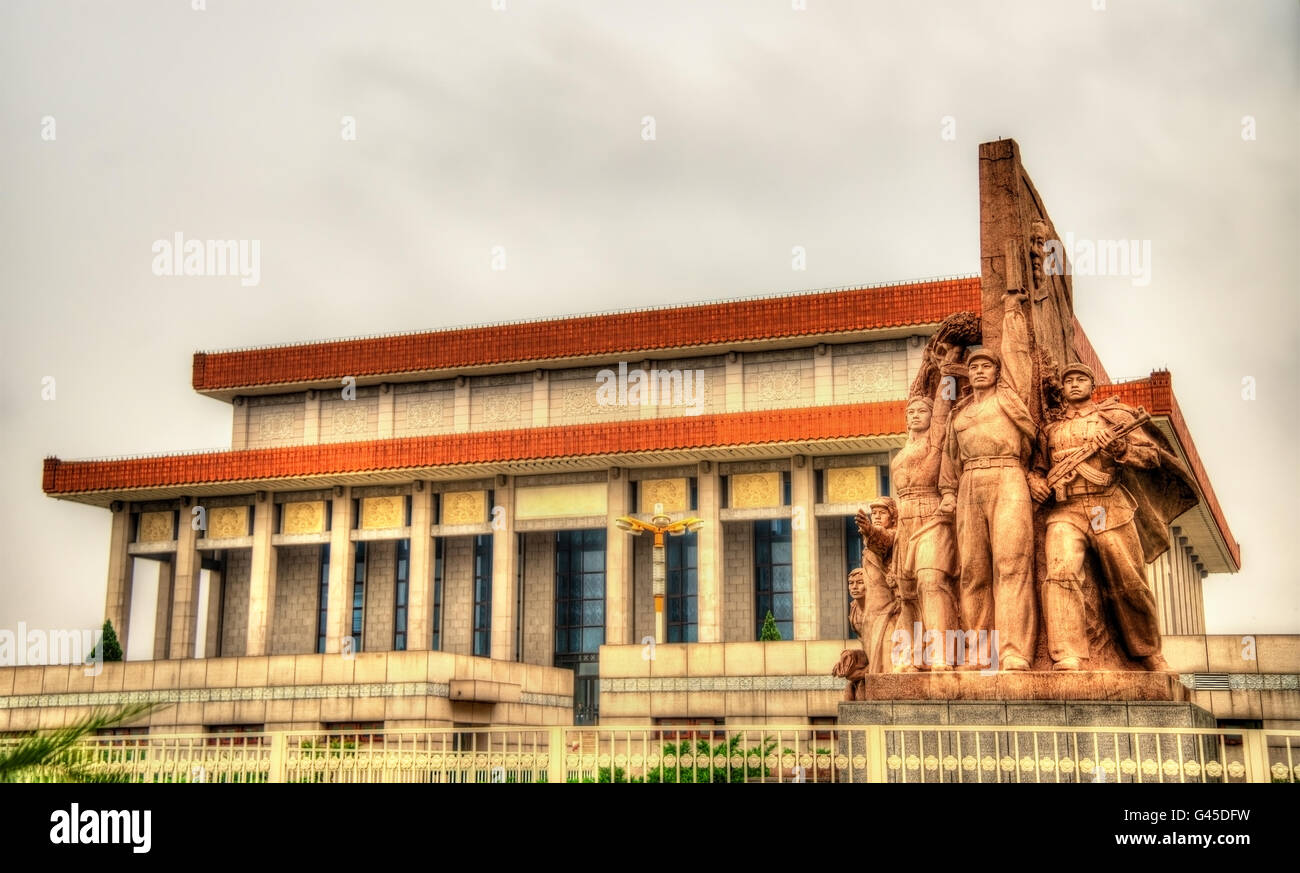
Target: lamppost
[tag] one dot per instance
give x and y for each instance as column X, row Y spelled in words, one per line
column 659, row 525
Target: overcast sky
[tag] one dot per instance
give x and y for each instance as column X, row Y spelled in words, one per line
column 522, row 128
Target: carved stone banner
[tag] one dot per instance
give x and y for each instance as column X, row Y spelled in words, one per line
column 1027, row 511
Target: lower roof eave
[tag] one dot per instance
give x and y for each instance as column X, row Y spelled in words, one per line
column 657, row 458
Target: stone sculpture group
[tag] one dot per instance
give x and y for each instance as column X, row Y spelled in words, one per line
column 1024, row 512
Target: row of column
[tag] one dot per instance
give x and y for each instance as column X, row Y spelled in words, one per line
column 178, row 606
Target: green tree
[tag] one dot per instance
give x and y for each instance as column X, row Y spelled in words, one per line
column 770, row 631
column 112, row 649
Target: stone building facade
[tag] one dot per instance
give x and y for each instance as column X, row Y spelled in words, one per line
column 437, row 513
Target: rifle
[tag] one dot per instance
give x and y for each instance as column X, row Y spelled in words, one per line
column 1065, row 472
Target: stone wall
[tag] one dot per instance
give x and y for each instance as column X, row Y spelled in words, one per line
column 458, row 595
column 381, row 578
column 234, row 612
column 858, row 372
column 293, row 692
column 832, row 587
column 738, row 585
column 297, row 592
column 539, row 598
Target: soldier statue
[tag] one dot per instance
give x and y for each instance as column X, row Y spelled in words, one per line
column 991, row 435
column 1113, row 487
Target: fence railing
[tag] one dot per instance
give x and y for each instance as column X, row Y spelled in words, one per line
column 660, row 753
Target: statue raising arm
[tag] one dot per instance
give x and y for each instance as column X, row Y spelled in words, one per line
column 1017, row 368
column 948, row 362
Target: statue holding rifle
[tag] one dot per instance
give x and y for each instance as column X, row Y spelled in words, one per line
column 1113, row 487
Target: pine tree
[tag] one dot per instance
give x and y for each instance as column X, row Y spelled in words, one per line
column 112, row 649
column 769, row 632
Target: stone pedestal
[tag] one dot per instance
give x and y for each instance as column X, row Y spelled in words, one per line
column 1084, row 699
column 1025, row 727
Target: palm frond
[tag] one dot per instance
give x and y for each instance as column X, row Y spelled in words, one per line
column 52, row 756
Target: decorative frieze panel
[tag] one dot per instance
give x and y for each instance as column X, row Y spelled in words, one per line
column 578, row 400
column 277, row 425
column 866, row 372
column 155, row 527
column 227, row 522
column 501, row 409
column 350, row 421
column 382, row 513
column 561, row 501
column 874, row 378
column 852, row 484
column 672, row 493
column 303, row 517
column 781, row 386
column 464, row 507
column 667, row 684
column 755, row 490
column 424, row 414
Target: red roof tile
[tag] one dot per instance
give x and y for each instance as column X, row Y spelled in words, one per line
column 821, row 313
column 525, row 444
column 1156, row 394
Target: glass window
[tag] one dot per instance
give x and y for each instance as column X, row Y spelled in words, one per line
column 579, row 591
column 402, row 591
column 437, row 595
column 483, row 596
column 773, row 576
column 358, row 597
column 681, row 604
column 322, row 618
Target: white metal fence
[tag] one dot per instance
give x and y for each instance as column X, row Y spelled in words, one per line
column 755, row 753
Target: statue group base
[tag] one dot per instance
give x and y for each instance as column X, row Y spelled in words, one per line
column 1051, row 699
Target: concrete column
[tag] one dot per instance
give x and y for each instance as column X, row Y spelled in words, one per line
column 163, row 610
column 385, row 411
column 311, row 419
column 185, row 586
column 541, row 399
column 460, row 417
column 505, row 568
column 338, row 613
column 618, row 563
column 261, row 581
column 212, row 608
column 803, row 546
column 735, row 382
column 117, row 601
column 419, row 612
column 1200, row 604
column 709, row 554
column 823, row 375
column 239, row 426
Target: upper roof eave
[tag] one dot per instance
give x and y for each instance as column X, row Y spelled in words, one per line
column 790, row 319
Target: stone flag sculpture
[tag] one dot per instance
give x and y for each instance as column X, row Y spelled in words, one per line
column 1026, row 511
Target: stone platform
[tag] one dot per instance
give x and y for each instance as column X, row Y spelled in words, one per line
column 1084, row 699
column 1027, row 685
